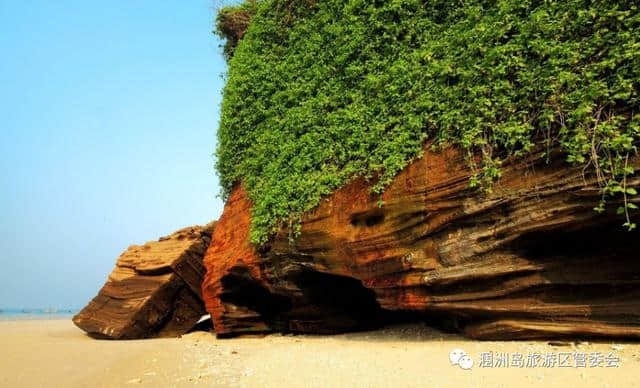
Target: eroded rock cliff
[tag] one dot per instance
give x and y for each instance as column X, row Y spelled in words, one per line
column 532, row 259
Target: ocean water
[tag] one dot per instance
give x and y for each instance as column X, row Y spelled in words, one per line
column 12, row 314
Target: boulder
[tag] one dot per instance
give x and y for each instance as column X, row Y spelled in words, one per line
column 530, row 259
column 154, row 290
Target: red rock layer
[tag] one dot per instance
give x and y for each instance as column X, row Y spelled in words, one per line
column 531, row 259
column 231, row 254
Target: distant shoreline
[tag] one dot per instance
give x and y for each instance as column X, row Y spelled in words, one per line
column 36, row 314
column 26, row 317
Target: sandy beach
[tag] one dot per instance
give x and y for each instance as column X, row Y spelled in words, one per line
column 55, row 353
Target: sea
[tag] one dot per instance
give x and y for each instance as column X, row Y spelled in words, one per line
column 12, row 314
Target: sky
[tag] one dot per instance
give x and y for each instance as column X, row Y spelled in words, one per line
column 108, row 114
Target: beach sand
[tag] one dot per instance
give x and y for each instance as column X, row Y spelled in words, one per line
column 54, row 353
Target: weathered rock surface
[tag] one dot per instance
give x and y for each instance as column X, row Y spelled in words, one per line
column 154, row 290
column 530, row 260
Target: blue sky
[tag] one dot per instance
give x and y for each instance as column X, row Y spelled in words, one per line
column 108, row 117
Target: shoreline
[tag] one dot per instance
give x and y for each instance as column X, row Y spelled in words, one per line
column 35, row 317
column 55, row 353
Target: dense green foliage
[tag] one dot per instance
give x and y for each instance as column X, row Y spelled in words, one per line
column 329, row 90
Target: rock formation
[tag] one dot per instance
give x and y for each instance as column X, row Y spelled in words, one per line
column 154, row 290
column 531, row 259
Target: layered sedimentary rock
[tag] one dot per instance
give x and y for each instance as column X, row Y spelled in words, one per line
column 154, row 290
column 532, row 259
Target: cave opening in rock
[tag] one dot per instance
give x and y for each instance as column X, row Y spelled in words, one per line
column 322, row 303
column 241, row 289
column 337, row 295
column 338, row 303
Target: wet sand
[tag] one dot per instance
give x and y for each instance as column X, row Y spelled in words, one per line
column 54, row 353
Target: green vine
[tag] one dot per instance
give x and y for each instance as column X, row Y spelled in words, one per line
column 320, row 92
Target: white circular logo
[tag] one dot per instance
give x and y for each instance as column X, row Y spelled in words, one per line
column 461, row 358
